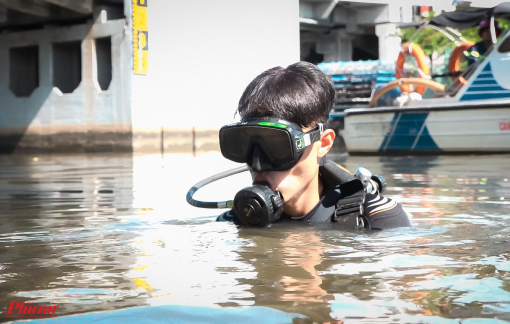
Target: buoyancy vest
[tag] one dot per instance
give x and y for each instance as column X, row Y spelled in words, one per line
column 334, row 174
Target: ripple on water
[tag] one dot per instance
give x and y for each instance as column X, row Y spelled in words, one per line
column 99, row 233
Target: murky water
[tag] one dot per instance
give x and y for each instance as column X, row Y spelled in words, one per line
column 95, row 233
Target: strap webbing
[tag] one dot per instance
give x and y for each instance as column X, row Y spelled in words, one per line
column 349, row 208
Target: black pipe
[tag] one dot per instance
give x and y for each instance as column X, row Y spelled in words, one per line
column 210, row 204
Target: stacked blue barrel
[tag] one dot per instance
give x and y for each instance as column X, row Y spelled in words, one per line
column 355, row 81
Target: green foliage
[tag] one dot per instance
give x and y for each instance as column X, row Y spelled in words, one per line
column 431, row 40
column 428, row 38
column 472, row 33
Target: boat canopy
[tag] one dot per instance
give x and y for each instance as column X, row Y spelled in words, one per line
column 471, row 17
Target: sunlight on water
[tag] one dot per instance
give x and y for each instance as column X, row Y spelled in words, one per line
column 104, row 232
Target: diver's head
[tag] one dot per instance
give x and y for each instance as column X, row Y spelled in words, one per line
column 300, row 93
column 281, row 135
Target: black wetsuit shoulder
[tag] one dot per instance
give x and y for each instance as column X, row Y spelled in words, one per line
column 384, row 213
column 381, row 212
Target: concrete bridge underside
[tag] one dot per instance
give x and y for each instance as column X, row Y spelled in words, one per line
column 65, row 77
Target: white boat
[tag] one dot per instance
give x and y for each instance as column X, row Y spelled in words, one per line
column 471, row 115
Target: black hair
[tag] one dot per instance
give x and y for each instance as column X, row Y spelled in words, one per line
column 301, row 93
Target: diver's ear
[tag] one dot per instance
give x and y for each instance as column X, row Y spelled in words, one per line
column 326, row 141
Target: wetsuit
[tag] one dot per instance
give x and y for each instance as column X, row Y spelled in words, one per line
column 380, row 212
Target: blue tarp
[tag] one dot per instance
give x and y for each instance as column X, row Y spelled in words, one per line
column 180, row 314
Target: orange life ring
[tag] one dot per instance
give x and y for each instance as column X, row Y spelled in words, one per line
column 454, row 61
column 419, row 55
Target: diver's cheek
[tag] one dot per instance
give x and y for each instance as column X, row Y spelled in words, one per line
column 276, row 178
column 288, row 187
column 279, row 185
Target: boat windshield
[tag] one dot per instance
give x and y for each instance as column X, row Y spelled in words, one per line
column 449, row 56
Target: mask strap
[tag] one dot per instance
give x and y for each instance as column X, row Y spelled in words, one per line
column 313, row 135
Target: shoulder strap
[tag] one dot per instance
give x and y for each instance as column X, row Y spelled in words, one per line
column 349, row 208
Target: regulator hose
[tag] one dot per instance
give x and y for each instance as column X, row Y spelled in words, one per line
column 212, row 204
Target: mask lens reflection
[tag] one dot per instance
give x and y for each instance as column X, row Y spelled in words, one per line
column 236, row 141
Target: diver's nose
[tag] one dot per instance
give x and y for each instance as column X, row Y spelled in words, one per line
column 256, row 159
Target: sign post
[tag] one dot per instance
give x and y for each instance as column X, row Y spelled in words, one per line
column 140, row 37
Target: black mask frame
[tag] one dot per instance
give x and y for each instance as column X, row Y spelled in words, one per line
column 267, row 143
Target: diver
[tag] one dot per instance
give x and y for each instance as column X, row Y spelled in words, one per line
column 283, row 140
column 478, row 51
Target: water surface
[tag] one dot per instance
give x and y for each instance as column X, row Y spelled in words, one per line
column 104, row 232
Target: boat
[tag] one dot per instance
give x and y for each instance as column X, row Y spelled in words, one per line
column 455, row 112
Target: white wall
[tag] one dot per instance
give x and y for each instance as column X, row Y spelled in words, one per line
column 202, row 54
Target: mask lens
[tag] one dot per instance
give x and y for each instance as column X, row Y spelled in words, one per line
column 234, row 144
column 236, row 141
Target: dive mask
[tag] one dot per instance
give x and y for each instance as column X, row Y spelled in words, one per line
column 266, row 144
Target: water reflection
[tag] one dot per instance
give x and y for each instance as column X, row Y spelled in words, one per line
column 98, row 233
column 59, row 237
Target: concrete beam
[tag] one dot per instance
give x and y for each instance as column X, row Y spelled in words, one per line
column 81, row 6
column 31, row 7
column 326, row 10
column 306, row 10
column 369, row 15
column 3, row 13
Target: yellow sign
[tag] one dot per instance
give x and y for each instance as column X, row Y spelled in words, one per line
column 140, row 37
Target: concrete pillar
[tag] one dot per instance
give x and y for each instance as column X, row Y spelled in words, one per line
column 336, row 47
column 86, row 120
column 389, row 41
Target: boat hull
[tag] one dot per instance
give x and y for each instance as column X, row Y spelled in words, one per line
column 447, row 130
